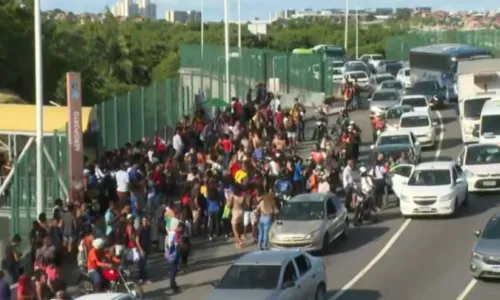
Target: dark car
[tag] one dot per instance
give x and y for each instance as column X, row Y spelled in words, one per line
column 393, row 68
column 391, row 150
column 431, row 89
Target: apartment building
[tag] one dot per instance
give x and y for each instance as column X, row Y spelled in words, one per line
column 129, row 8
column 177, row 16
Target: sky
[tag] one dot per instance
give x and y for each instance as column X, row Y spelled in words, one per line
column 251, row 9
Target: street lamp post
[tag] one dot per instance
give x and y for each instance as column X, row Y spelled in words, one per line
column 239, row 27
column 226, row 44
column 346, row 23
column 202, row 38
column 357, row 33
column 39, row 107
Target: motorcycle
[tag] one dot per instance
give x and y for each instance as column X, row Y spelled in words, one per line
column 434, row 102
column 362, row 209
column 117, row 280
column 320, row 130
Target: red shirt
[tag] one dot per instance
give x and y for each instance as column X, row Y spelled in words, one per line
column 159, row 145
column 234, row 168
column 279, row 119
column 226, row 145
column 156, row 177
column 238, row 108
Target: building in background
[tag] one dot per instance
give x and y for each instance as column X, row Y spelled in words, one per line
column 177, row 16
column 129, row 8
column 285, row 14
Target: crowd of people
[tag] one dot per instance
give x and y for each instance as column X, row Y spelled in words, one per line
column 225, row 168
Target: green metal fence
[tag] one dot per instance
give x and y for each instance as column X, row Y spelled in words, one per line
column 398, row 47
column 293, row 72
column 144, row 112
column 19, row 198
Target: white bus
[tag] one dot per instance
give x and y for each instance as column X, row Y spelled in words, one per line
column 489, row 129
column 469, row 110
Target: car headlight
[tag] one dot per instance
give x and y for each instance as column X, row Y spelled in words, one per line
column 429, row 134
column 477, row 256
column 469, row 174
column 311, row 235
column 448, row 197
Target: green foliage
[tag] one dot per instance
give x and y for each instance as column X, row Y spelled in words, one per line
column 117, row 56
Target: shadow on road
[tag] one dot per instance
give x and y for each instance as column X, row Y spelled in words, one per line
column 358, row 237
column 451, row 143
column 356, row 294
column 448, row 120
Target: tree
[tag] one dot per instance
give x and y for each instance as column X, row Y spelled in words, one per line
column 115, row 56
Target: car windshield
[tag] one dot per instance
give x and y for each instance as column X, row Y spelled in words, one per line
column 337, row 64
column 492, row 229
column 415, row 102
column 385, row 96
column 482, row 155
column 355, row 67
column 396, row 113
column 489, row 124
column 430, row 178
column 414, row 121
column 302, row 211
column 473, row 107
column 381, row 79
column 425, row 86
column 393, row 139
column 392, row 85
column 377, row 57
column 358, row 75
column 407, row 73
column 248, row 277
column 395, row 153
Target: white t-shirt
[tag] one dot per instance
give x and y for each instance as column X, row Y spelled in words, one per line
column 177, row 143
column 122, row 181
column 273, row 168
column 323, row 187
column 274, row 104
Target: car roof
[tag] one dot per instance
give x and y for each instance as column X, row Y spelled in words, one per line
column 416, row 113
column 435, row 165
column 386, row 91
column 391, row 146
column 101, row 296
column 496, row 215
column 384, row 75
column 267, row 257
column 316, row 197
column 391, row 80
column 400, row 106
column 413, row 97
column 480, row 145
column 491, row 107
column 396, row 132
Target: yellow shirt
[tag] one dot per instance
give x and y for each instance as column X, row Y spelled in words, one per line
column 240, row 176
column 203, row 190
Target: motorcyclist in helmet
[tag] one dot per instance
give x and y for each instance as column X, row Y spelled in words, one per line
column 367, row 188
column 321, row 121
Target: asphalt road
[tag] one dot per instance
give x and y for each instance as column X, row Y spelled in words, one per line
column 418, row 259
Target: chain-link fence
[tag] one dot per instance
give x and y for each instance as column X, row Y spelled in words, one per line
column 281, row 72
column 398, row 47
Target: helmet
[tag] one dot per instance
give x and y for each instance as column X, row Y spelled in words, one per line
column 98, row 243
column 362, row 169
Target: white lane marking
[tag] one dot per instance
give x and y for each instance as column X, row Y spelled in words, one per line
column 398, row 233
column 467, row 290
column 441, row 135
column 370, row 265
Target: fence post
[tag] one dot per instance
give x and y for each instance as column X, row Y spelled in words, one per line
column 155, row 107
column 143, row 114
column 287, row 73
column 56, row 159
column 129, row 117
column 115, row 105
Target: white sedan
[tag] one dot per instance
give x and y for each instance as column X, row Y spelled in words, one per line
column 432, row 188
column 481, row 163
column 420, row 123
column 418, row 102
column 107, row 296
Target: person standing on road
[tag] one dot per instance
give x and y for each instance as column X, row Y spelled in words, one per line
column 378, row 173
column 172, row 255
column 267, row 210
column 355, row 94
column 348, row 182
